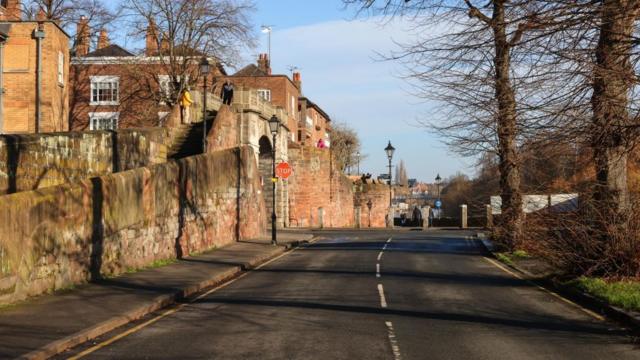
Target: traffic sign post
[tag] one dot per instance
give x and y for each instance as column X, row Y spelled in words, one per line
column 284, row 170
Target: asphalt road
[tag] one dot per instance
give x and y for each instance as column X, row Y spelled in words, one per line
column 359, row 295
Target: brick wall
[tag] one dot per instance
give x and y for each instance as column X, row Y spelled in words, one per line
column 282, row 89
column 34, row 161
column 317, row 190
column 19, row 80
column 65, row 235
column 140, row 102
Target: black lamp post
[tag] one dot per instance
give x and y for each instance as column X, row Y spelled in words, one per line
column 274, row 126
column 438, row 182
column 390, row 150
column 204, row 70
column 369, row 205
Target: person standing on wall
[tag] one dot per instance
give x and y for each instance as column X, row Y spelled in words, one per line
column 185, row 104
column 227, row 93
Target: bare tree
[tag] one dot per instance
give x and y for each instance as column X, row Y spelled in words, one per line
column 469, row 56
column 345, row 144
column 69, row 12
column 184, row 31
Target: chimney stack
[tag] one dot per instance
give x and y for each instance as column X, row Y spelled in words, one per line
column 264, row 63
column 297, row 80
column 152, row 39
column 103, row 39
column 42, row 16
column 13, row 11
column 83, row 37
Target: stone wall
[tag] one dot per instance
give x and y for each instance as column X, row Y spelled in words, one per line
column 64, row 235
column 319, row 194
column 34, row 161
column 378, row 194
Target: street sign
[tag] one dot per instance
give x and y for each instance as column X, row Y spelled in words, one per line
column 438, row 204
column 284, row 170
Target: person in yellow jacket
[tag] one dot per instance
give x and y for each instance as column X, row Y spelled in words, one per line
column 185, row 104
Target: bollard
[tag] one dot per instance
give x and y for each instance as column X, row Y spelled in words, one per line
column 463, row 216
column 489, row 217
column 425, row 217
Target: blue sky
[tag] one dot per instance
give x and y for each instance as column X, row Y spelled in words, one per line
column 336, row 55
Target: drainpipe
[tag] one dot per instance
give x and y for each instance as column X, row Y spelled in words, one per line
column 2, row 40
column 4, row 34
column 38, row 34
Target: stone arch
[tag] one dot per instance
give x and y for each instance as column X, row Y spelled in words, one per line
column 265, row 147
column 265, row 164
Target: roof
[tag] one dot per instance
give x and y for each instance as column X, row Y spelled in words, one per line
column 318, row 108
column 250, row 70
column 55, row 23
column 110, row 51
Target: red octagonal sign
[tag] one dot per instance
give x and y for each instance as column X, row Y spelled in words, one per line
column 284, row 170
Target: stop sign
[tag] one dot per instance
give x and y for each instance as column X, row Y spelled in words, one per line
column 284, row 170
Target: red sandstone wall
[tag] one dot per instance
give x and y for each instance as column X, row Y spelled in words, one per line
column 34, row 161
column 378, row 194
column 224, row 134
column 59, row 236
column 316, row 185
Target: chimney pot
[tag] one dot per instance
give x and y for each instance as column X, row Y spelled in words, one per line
column 82, row 37
column 103, row 39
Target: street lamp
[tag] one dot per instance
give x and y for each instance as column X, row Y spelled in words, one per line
column 358, row 161
column 438, row 182
column 274, row 126
column 390, row 150
column 369, row 205
column 267, row 29
column 204, row 70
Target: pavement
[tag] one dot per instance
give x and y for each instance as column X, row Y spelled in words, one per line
column 47, row 325
column 373, row 295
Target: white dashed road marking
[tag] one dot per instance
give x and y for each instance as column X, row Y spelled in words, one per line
column 380, row 255
column 393, row 340
column 378, row 270
column 383, row 301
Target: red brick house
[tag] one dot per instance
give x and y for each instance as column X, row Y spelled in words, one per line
column 114, row 88
column 34, row 71
column 315, row 124
column 307, row 121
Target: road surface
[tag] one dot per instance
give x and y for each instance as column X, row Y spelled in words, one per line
column 373, row 295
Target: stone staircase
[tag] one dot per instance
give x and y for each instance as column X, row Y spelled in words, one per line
column 186, row 139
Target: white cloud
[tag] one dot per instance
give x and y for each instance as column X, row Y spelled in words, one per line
column 340, row 72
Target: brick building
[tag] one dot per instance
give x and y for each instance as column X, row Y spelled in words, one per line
column 34, row 75
column 314, row 125
column 307, row 121
column 277, row 89
column 114, row 88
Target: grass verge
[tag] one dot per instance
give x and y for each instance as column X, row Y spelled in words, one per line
column 624, row 294
column 509, row 258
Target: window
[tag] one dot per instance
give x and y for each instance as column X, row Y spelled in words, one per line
column 60, row 68
column 3, row 3
column 265, row 94
column 103, row 120
column 105, row 90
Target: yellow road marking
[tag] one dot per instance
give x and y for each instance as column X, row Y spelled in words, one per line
column 168, row 312
column 554, row 294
